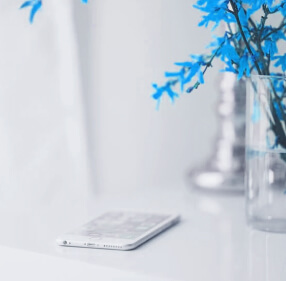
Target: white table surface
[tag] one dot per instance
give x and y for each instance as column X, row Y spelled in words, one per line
column 212, row 241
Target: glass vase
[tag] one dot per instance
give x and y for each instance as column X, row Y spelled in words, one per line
column 266, row 153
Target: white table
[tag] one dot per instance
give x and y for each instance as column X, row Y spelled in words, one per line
column 211, row 243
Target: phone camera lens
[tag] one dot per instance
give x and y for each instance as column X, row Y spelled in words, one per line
column 65, row 242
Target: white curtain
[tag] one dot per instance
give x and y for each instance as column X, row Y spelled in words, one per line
column 42, row 138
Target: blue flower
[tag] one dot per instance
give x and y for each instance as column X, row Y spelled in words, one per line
column 218, row 41
column 243, row 66
column 229, row 67
column 282, row 10
column 193, row 68
column 270, row 47
column 228, row 52
column 35, row 6
column 277, row 35
column 274, row 34
column 208, row 6
column 243, row 17
column 279, row 85
column 281, row 61
column 164, row 89
column 255, row 5
column 216, row 11
column 179, row 75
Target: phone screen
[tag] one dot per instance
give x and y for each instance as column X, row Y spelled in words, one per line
column 120, row 225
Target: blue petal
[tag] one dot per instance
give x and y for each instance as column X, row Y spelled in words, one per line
column 173, row 74
column 193, row 71
column 281, row 62
column 243, row 66
column 201, row 77
column 184, row 64
column 27, row 4
column 34, row 10
column 171, row 93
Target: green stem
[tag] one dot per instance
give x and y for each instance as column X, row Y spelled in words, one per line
column 235, row 11
column 283, row 23
column 208, row 64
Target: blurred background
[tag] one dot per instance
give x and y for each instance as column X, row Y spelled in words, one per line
column 76, row 113
column 124, row 46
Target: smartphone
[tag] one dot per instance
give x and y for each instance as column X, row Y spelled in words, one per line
column 118, row 230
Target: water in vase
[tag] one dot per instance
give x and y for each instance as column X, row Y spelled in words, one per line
column 266, row 189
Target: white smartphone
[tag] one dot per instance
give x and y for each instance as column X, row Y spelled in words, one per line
column 118, row 230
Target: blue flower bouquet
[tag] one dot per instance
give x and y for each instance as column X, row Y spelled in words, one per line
column 249, row 45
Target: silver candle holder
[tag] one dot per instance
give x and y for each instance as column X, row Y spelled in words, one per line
column 224, row 170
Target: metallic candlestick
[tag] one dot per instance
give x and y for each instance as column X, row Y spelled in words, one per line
column 224, row 170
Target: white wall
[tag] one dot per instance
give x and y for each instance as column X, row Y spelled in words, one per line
column 130, row 45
